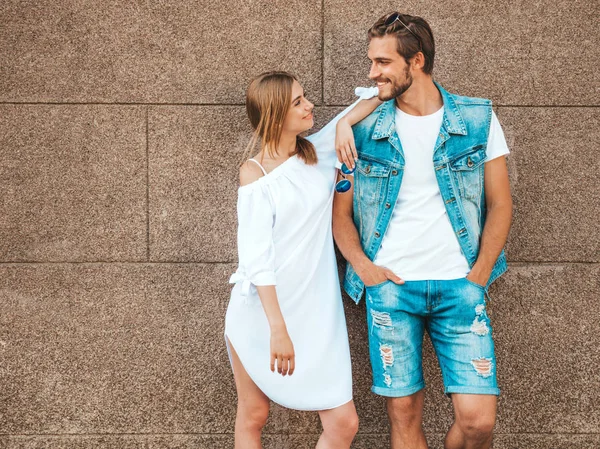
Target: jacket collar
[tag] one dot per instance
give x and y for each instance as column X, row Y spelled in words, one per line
column 452, row 121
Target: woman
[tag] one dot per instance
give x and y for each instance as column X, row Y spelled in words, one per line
column 285, row 327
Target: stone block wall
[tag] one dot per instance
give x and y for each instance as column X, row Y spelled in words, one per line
column 121, row 127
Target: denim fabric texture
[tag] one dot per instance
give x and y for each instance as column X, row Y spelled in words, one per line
column 453, row 312
column 458, row 160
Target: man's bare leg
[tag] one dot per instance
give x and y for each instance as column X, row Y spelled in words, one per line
column 475, row 416
column 406, row 420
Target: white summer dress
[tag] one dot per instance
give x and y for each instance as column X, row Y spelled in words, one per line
column 285, row 239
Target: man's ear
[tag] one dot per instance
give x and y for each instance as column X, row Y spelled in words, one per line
column 418, row 61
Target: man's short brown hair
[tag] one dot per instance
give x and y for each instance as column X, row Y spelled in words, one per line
column 409, row 43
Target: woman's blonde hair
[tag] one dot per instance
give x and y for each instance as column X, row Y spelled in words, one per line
column 268, row 100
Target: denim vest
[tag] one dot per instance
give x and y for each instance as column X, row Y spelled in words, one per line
column 458, row 160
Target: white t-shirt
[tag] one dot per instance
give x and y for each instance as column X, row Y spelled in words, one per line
column 419, row 243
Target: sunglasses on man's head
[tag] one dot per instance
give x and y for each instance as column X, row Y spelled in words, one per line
column 393, row 18
column 344, row 185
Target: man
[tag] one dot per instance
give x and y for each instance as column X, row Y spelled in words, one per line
column 423, row 231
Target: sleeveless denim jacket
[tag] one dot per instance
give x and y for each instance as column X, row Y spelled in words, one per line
column 458, row 160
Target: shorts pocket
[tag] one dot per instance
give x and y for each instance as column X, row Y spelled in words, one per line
column 481, row 287
column 382, row 296
column 381, row 284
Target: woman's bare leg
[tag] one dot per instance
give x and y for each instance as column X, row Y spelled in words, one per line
column 252, row 407
column 340, row 425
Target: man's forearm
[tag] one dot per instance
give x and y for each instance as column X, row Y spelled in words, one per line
column 493, row 237
column 347, row 239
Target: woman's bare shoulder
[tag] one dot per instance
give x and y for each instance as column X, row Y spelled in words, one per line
column 249, row 173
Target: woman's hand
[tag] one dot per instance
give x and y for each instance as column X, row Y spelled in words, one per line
column 282, row 351
column 344, row 143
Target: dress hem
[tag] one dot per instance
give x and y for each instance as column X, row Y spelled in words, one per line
column 301, row 409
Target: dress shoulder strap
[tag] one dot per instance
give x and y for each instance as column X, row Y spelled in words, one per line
column 258, row 163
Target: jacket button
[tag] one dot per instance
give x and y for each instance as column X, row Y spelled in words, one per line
column 469, row 162
column 377, row 234
column 394, row 172
column 387, row 205
column 368, row 169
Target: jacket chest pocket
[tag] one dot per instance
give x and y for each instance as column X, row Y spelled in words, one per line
column 468, row 171
column 370, row 178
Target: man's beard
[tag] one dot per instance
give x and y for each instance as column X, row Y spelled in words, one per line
column 398, row 90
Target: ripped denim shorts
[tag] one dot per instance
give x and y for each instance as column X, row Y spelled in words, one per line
column 453, row 312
